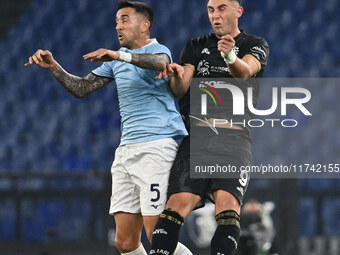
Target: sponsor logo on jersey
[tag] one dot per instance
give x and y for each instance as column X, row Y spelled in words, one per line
column 219, row 69
column 159, row 251
column 160, row 231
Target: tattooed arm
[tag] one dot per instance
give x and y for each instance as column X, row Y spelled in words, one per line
column 151, row 61
column 77, row 86
column 155, row 62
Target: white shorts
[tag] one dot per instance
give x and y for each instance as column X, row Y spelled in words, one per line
column 140, row 174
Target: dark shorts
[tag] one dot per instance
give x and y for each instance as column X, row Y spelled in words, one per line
column 229, row 147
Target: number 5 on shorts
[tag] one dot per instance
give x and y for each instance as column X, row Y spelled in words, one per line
column 154, row 188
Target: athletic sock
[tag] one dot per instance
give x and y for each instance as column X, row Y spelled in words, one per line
column 139, row 251
column 181, row 249
column 227, row 233
column 165, row 236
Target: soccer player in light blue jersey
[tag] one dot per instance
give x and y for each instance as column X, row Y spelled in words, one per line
column 150, row 122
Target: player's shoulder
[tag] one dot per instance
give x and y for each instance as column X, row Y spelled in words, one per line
column 154, row 44
column 203, row 39
column 253, row 39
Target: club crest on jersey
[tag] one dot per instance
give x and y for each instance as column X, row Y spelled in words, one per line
column 203, row 68
column 205, row 51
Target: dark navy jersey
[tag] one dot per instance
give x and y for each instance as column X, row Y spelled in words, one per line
column 203, row 56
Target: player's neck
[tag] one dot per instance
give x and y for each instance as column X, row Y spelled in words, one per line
column 235, row 33
column 141, row 42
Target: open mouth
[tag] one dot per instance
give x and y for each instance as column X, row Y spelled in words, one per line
column 120, row 37
column 217, row 24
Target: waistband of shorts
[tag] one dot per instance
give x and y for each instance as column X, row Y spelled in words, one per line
column 156, row 141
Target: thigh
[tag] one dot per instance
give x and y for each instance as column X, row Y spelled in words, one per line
column 125, row 193
column 180, row 181
column 234, row 151
column 150, row 171
column 235, row 185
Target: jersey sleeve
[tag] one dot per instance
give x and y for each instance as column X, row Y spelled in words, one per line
column 160, row 49
column 188, row 55
column 104, row 70
column 258, row 49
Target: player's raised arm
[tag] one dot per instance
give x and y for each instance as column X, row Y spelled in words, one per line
column 181, row 77
column 77, row 86
column 155, row 62
column 239, row 68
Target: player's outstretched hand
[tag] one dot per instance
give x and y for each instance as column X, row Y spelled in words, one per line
column 103, row 55
column 41, row 58
column 226, row 44
column 171, row 70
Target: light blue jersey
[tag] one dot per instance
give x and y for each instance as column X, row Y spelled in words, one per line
column 146, row 105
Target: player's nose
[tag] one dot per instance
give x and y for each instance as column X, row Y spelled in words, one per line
column 119, row 26
column 215, row 14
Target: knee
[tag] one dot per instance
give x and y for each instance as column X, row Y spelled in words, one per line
column 183, row 203
column 125, row 245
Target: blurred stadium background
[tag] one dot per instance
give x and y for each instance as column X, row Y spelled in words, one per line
column 56, row 151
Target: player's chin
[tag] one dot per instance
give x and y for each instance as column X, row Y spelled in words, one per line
column 122, row 43
column 219, row 32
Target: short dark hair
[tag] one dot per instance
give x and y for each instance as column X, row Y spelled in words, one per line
column 140, row 7
column 239, row 1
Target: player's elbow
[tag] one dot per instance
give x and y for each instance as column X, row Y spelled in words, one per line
column 243, row 74
column 78, row 95
column 178, row 91
column 161, row 65
column 162, row 61
column 178, row 94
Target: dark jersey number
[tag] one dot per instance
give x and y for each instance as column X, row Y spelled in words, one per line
column 154, row 188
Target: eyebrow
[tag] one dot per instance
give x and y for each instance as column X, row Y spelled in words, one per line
column 222, row 5
column 122, row 16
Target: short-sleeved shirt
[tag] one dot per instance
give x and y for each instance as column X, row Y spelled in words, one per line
column 146, row 105
column 203, row 56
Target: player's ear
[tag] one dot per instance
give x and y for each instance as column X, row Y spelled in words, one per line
column 145, row 26
column 239, row 11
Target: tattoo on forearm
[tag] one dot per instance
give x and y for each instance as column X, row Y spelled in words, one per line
column 77, row 86
column 151, row 61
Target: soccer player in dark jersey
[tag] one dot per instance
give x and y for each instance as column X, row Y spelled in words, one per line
column 227, row 53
